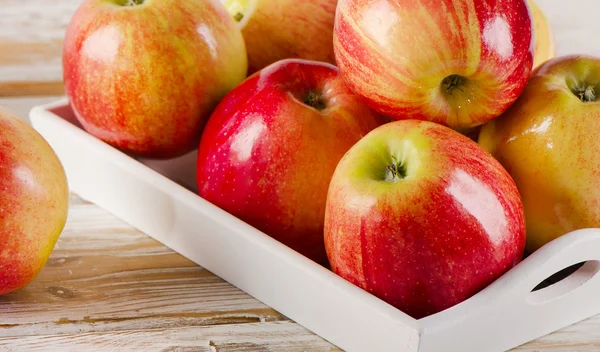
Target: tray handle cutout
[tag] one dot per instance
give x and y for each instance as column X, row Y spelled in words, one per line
column 563, row 282
column 554, row 287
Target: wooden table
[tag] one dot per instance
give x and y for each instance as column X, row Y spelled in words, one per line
column 109, row 287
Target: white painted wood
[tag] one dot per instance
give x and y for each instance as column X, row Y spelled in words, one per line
column 580, row 337
column 106, row 276
column 256, row 263
column 507, row 313
column 22, row 105
column 305, row 292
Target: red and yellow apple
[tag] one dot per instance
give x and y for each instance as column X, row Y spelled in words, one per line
column 459, row 63
column 281, row 29
column 144, row 76
column 422, row 217
column 33, row 202
column 545, row 47
column 548, row 143
column 269, row 149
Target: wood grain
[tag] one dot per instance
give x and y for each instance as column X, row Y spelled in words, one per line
column 106, row 276
column 31, row 37
column 273, row 336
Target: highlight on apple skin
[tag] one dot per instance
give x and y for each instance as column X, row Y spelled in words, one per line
column 144, row 76
column 459, row 63
column 269, row 149
column 275, row 30
column 34, row 202
column 422, row 217
column 548, row 141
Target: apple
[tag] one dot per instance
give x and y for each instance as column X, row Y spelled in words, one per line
column 144, row 76
column 282, row 29
column 548, row 143
column 33, row 203
column 458, row 63
column 422, row 217
column 545, row 46
column 270, row 147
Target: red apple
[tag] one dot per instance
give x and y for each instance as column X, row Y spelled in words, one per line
column 34, row 202
column 281, row 29
column 269, row 149
column 422, row 217
column 145, row 75
column 459, row 63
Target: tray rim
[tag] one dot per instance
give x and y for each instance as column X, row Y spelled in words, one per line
column 44, row 111
column 424, row 328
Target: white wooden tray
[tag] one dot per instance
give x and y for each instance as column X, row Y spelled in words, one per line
column 158, row 197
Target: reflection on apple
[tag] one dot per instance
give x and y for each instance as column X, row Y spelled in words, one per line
column 34, row 201
column 270, row 147
column 422, row 217
column 144, row 76
column 455, row 62
column 548, row 142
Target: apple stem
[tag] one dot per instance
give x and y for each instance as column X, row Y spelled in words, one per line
column 395, row 172
column 133, row 2
column 314, row 99
column 453, row 82
column 587, row 94
column 238, row 16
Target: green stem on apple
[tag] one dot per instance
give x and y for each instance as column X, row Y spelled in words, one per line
column 396, row 171
column 133, row 2
column 453, row 82
column 586, row 94
column 315, row 100
column 238, row 16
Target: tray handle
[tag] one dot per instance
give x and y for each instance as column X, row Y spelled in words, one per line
column 509, row 313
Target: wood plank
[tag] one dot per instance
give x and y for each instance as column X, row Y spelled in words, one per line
column 24, row 89
column 31, row 37
column 274, row 336
column 104, row 275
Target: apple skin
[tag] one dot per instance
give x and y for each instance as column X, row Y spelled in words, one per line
column 545, row 45
column 432, row 239
column 267, row 158
column 400, row 57
column 548, row 143
column 283, row 29
column 33, row 203
column 145, row 78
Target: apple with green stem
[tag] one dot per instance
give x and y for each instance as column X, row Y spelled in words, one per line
column 270, row 147
column 548, row 143
column 144, row 75
column 459, row 63
column 34, row 202
column 281, row 29
column 422, row 217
